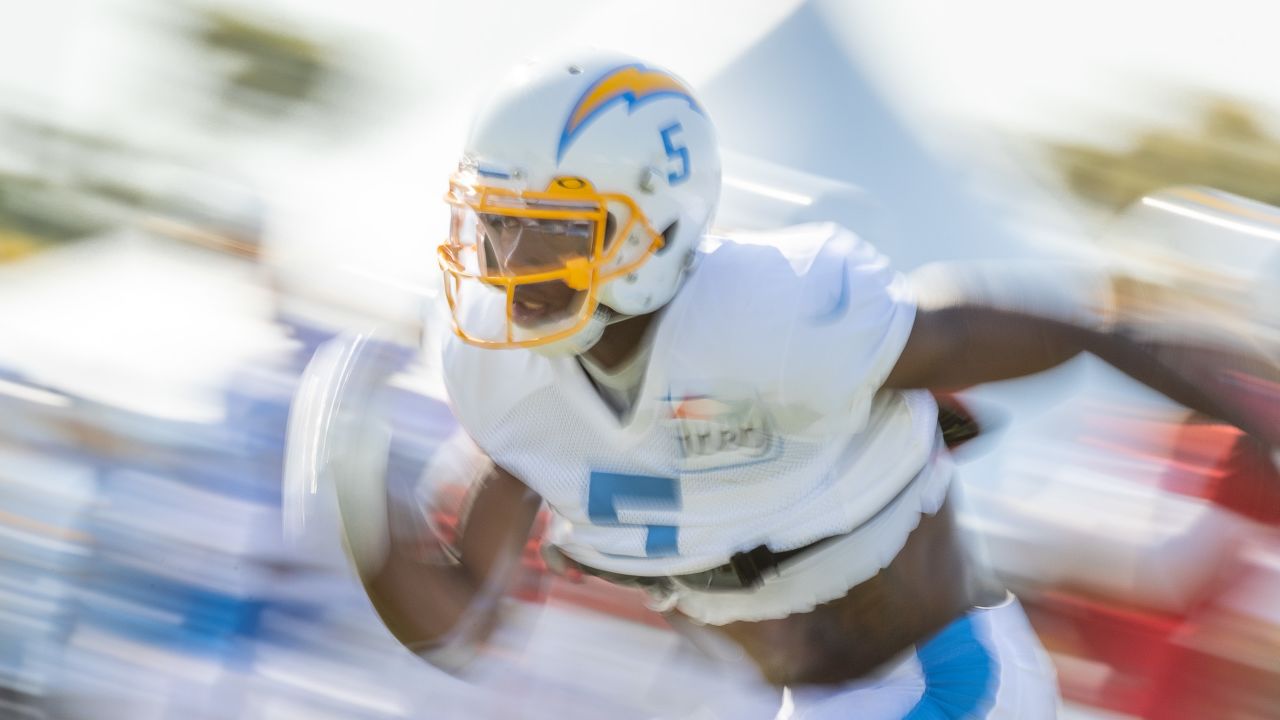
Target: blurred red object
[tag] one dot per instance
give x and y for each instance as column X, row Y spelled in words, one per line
column 1221, row 464
column 1108, row 656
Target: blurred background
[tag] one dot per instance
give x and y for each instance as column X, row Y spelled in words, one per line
column 195, row 195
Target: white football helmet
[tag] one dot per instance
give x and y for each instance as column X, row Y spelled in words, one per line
column 585, row 187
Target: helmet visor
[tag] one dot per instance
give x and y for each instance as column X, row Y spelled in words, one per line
column 515, row 246
column 524, row 268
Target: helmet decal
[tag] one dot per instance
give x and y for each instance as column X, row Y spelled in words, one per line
column 634, row 84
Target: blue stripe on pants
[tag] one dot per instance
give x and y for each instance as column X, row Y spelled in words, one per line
column 960, row 675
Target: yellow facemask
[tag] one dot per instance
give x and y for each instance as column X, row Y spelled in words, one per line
column 525, row 268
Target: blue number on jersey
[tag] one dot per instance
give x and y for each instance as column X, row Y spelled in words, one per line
column 607, row 489
column 675, row 152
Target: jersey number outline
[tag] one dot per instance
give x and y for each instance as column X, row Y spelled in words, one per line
column 675, row 152
column 605, row 490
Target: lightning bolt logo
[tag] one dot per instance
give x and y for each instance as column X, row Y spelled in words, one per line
column 632, row 84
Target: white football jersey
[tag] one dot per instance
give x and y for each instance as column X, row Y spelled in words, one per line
column 760, row 418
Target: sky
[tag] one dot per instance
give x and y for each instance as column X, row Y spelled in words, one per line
column 1002, row 60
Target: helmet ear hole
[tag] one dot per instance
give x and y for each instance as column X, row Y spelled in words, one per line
column 668, row 238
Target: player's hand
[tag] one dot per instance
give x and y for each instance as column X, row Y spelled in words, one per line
column 561, row 565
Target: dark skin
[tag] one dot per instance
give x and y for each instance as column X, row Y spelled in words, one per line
column 929, row 583
column 515, row 246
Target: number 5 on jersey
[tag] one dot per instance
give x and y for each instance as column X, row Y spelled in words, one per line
column 606, row 491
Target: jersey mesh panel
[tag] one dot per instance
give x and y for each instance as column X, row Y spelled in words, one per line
column 786, row 501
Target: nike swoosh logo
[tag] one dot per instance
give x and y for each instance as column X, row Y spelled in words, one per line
column 841, row 305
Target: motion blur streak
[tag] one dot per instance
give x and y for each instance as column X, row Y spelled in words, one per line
column 194, row 196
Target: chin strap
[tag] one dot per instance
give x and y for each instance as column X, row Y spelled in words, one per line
column 581, row 341
column 587, row 337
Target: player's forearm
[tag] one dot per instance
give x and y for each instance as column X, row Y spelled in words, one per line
column 1199, row 377
column 1187, row 373
column 437, row 603
column 963, row 345
column 420, row 603
column 1196, row 376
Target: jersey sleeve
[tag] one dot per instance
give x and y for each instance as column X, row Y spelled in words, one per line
column 484, row 386
column 475, row 391
column 852, row 318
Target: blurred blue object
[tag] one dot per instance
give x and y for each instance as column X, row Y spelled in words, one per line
column 134, row 546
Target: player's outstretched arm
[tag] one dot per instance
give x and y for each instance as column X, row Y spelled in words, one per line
column 443, row 609
column 962, row 345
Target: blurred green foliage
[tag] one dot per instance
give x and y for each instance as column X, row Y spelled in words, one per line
column 282, row 76
column 274, row 68
column 1229, row 150
column 43, row 211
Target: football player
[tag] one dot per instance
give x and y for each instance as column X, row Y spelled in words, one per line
column 742, row 425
